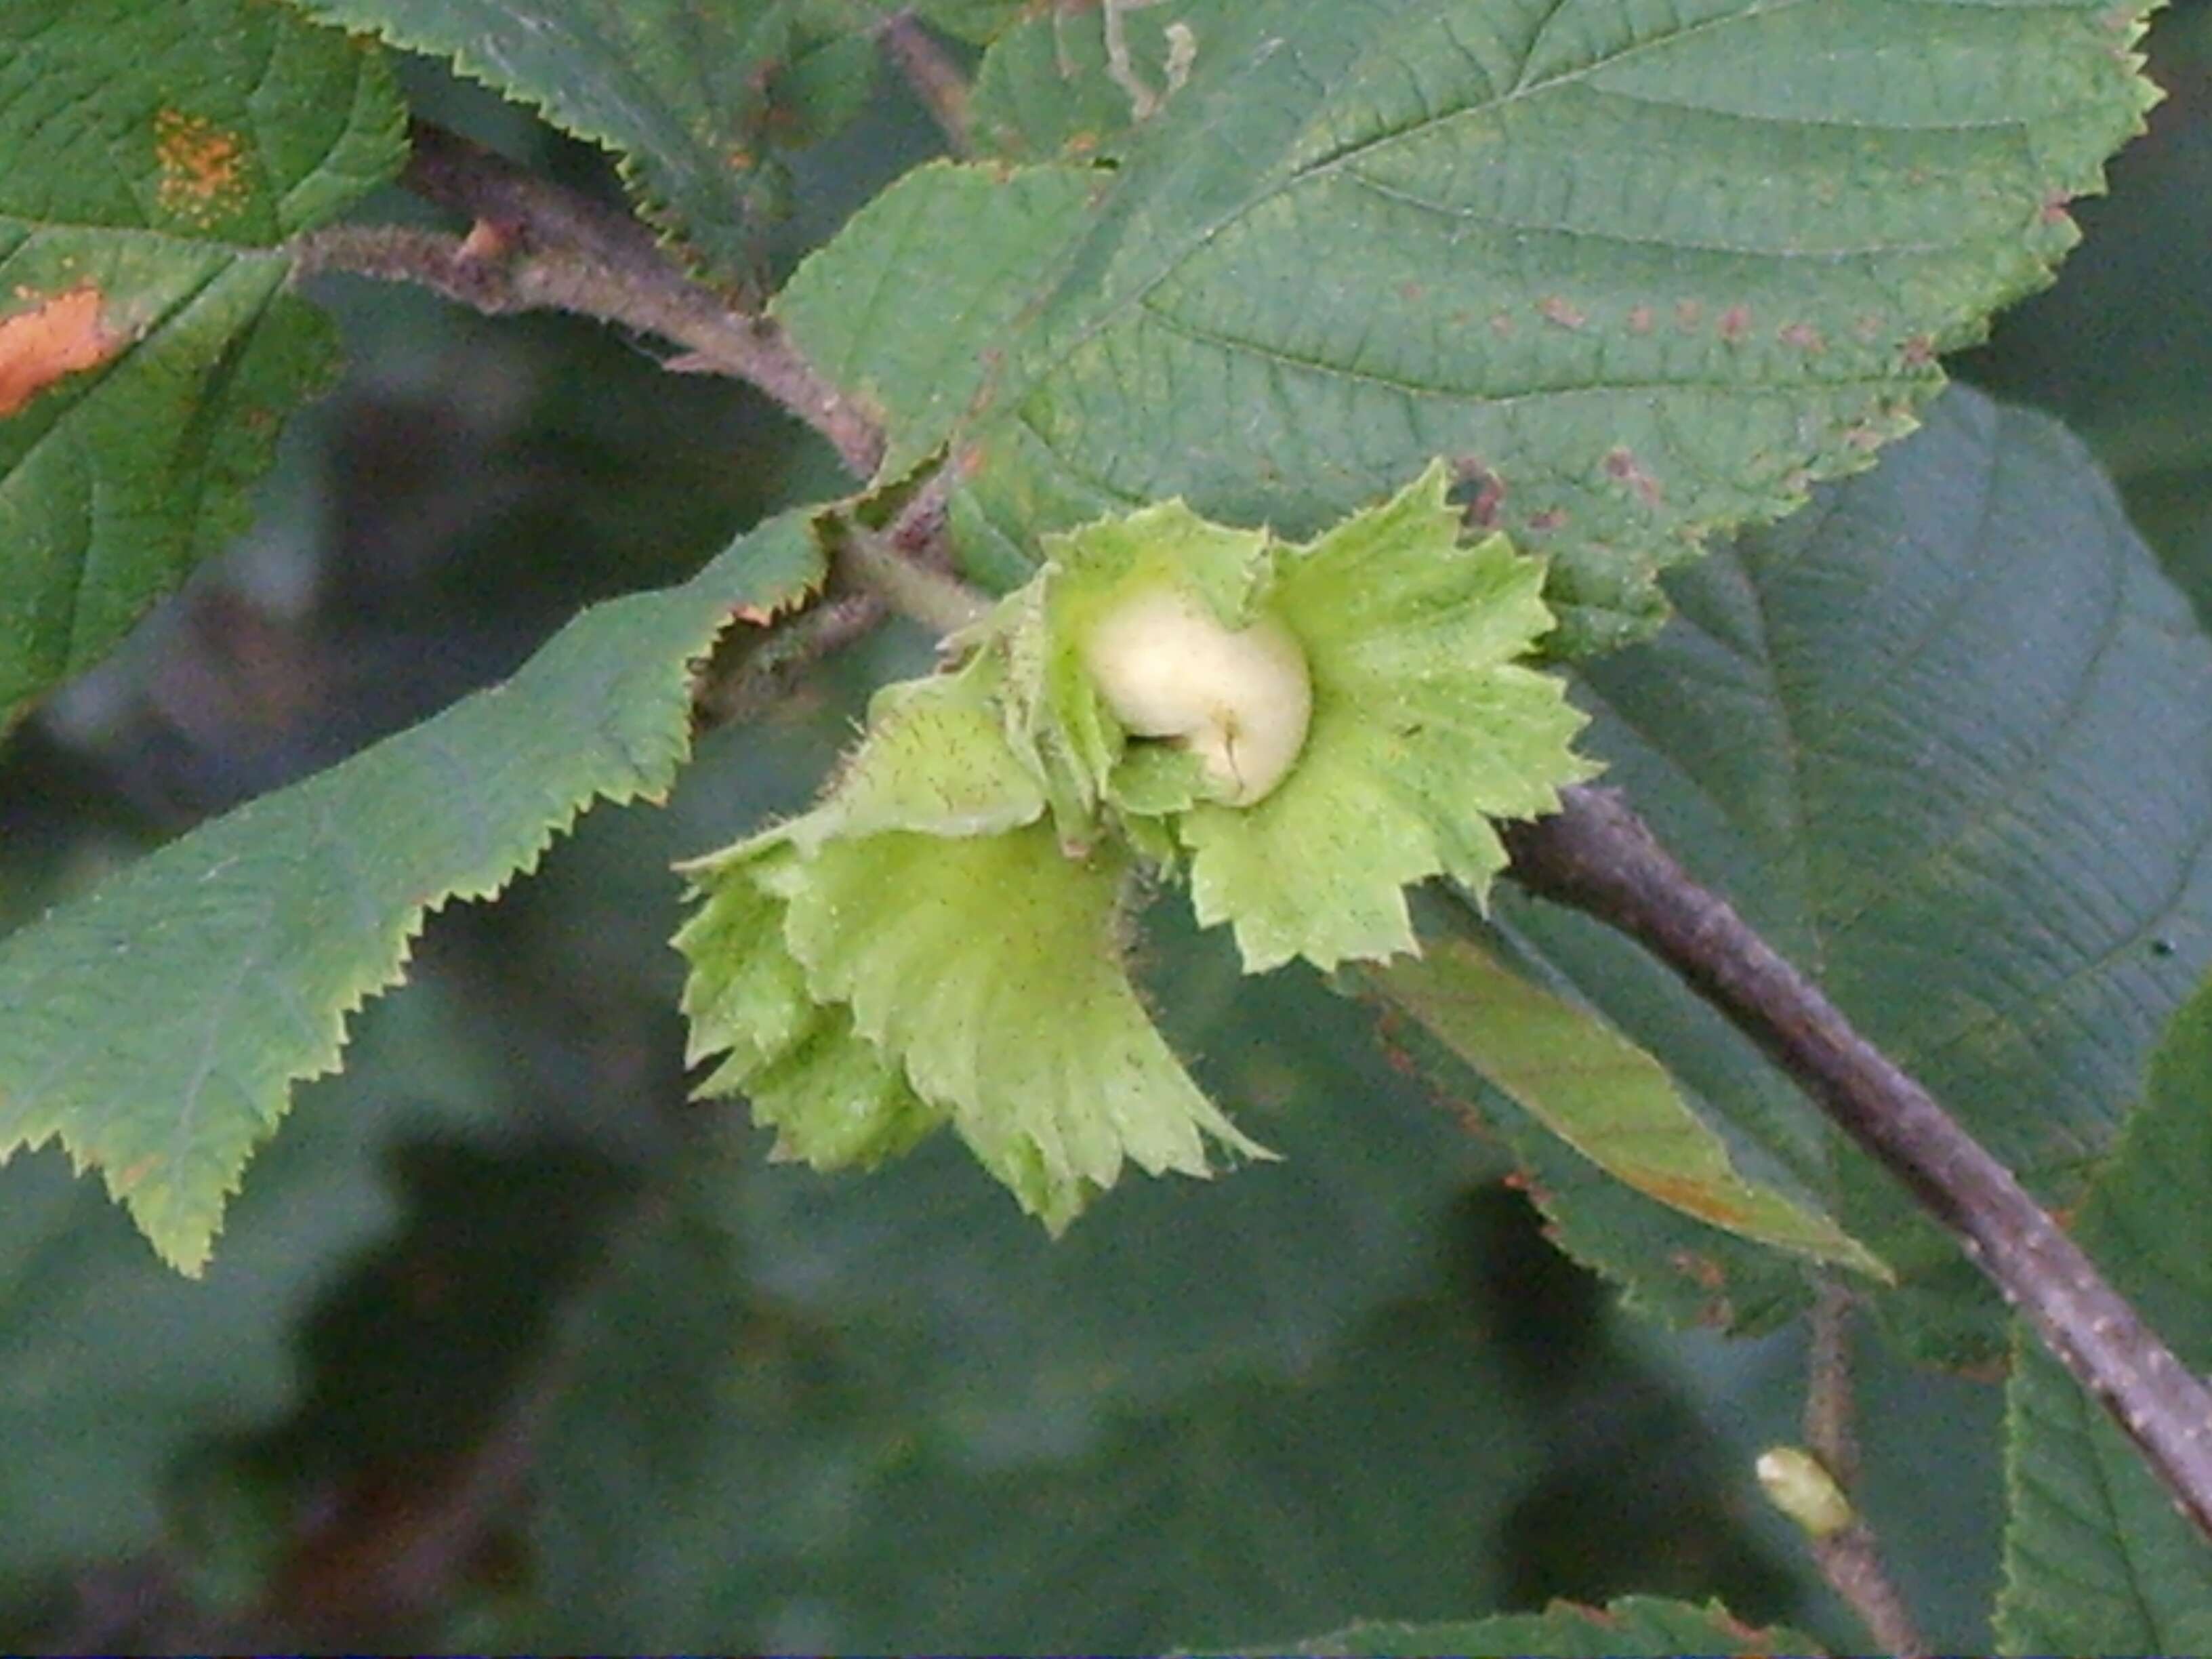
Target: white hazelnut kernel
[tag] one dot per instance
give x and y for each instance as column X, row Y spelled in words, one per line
column 1237, row 699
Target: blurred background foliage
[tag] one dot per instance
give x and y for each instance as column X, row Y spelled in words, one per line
column 508, row 1344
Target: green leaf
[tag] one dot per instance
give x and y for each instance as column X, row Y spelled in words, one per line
column 155, row 1027
column 1602, row 1094
column 1898, row 731
column 690, row 94
column 1046, row 88
column 917, row 345
column 987, row 969
column 116, row 1370
column 1425, row 728
column 2097, row 1558
column 977, row 21
column 1635, row 1623
column 159, row 157
column 1640, row 274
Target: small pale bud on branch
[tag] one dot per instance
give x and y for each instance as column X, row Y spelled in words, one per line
column 1800, row 1485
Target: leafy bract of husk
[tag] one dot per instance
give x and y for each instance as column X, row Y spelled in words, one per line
column 918, row 951
column 942, row 940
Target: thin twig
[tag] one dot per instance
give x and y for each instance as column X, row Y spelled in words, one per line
column 1597, row 856
column 937, row 81
column 1830, row 1405
column 536, row 244
column 1850, row 1557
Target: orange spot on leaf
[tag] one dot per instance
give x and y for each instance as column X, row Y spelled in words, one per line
column 1735, row 323
column 60, row 336
column 203, row 167
column 1639, row 319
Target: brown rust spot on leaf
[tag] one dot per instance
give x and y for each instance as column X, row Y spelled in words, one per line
column 1622, row 466
column 1803, row 335
column 1735, row 323
column 1639, row 319
column 61, row 335
column 1560, row 311
column 203, row 167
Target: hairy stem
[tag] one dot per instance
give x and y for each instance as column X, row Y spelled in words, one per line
column 944, row 604
column 1597, row 856
column 536, row 244
column 1849, row 1559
